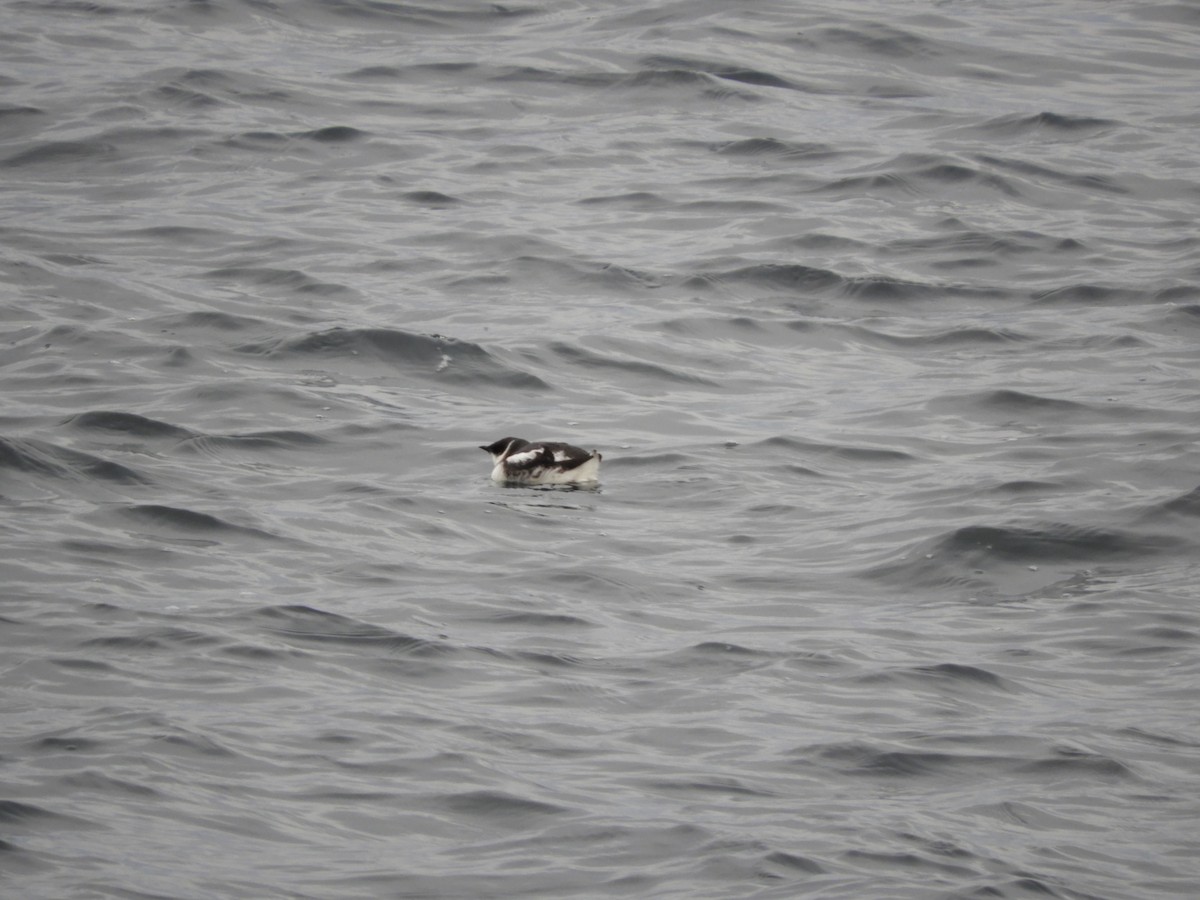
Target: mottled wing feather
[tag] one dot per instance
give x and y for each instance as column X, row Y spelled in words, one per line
column 567, row 457
column 528, row 459
column 531, row 463
column 574, row 462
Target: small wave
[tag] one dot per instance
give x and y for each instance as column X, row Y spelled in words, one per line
column 883, row 287
column 1168, row 513
column 583, row 273
column 1008, row 400
column 384, row 73
column 863, row 758
column 550, row 274
column 649, row 460
column 189, row 522
column 272, row 140
column 1052, row 541
column 1034, row 407
column 207, row 320
column 542, row 658
column 126, row 423
column 11, row 114
column 773, row 147
column 782, row 332
column 54, row 153
column 675, row 78
column 731, row 207
column 1025, row 487
column 881, row 183
column 432, row 199
column 802, row 279
column 255, row 441
column 641, row 79
column 961, row 673
column 70, row 743
column 952, row 337
column 1067, row 762
column 186, row 235
column 746, row 329
column 792, row 862
column 172, row 95
column 961, row 239
column 875, row 39
column 1157, row 739
column 650, row 75
column 997, row 756
column 587, row 359
column 153, row 639
column 24, row 817
column 843, row 451
column 17, row 121
column 428, row 16
column 44, row 458
column 99, row 783
column 700, row 787
column 238, row 86
column 968, row 557
column 331, row 134
column 181, row 740
column 741, row 74
column 1111, row 295
column 498, row 805
column 313, row 625
column 1091, row 183
column 1099, row 342
column 787, row 276
column 1059, row 124
column 433, row 356
column 539, row 75
column 818, row 240
column 167, row 640
column 1053, row 559
column 956, row 173
column 538, row 620
column 148, row 141
column 642, row 200
column 1186, row 504
column 1186, row 313
column 904, row 174
column 291, row 280
column 722, row 650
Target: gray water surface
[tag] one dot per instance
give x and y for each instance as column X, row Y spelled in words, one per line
column 884, row 317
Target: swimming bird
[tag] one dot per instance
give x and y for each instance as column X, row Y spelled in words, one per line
column 518, row 461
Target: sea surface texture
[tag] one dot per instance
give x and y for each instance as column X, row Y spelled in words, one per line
column 885, row 317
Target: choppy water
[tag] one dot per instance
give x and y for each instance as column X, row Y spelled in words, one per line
column 884, row 316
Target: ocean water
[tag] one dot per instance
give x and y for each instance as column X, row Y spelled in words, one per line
column 885, row 317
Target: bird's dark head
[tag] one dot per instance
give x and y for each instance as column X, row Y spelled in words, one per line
column 503, row 446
